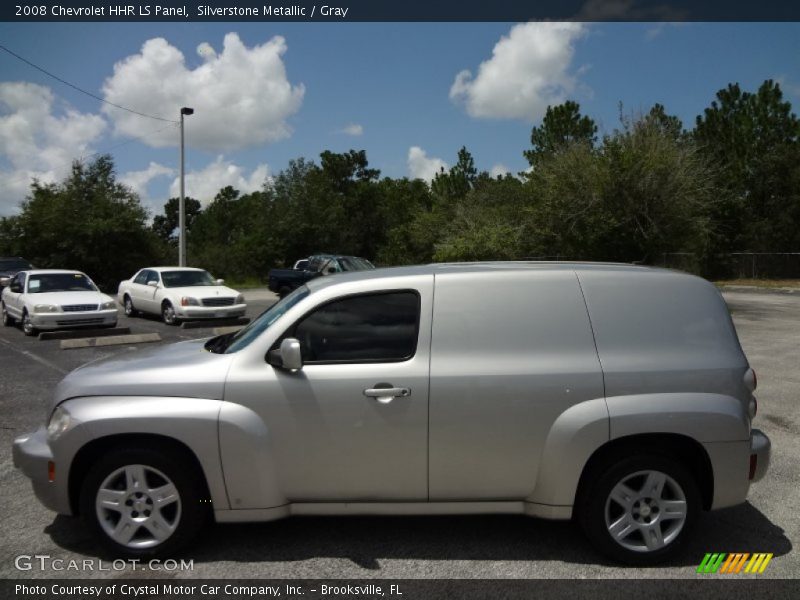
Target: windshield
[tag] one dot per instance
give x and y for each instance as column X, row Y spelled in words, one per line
column 14, row 264
column 233, row 342
column 354, row 263
column 173, row 279
column 60, row 282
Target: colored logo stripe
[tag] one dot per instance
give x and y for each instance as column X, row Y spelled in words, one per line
column 723, row 563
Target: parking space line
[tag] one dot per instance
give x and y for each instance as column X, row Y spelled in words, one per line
column 35, row 357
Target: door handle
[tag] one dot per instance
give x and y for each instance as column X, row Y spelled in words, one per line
column 384, row 395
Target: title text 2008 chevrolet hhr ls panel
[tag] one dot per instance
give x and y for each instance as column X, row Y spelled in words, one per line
column 616, row 393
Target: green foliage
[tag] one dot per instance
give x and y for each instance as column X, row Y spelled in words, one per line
column 88, row 222
column 562, row 126
column 754, row 141
column 645, row 190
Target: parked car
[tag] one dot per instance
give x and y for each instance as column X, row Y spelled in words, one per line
column 55, row 298
column 614, row 393
column 283, row 281
column 10, row 266
column 178, row 293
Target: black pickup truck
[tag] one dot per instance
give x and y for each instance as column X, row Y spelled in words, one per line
column 283, row 281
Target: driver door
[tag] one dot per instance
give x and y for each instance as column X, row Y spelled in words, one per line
column 332, row 437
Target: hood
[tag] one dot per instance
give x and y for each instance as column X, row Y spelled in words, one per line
column 184, row 369
column 67, row 298
column 203, row 291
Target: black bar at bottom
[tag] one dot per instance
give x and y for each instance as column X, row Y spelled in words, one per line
column 210, row 324
column 74, row 334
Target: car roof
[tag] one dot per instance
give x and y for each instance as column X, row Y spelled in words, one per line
column 51, row 271
column 162, row 269
column 478, row 268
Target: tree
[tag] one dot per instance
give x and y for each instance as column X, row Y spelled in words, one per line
column 165, row 225
column 88, row 222
column 753, row 139
column 562, row 126
column 458, row 181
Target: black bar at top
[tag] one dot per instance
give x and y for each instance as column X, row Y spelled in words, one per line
column 401, row 10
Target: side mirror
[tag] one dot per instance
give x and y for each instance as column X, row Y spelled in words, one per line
column 288, row 356
column 220, row 281
column 152, row 284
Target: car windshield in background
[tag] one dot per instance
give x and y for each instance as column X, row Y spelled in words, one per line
column 229, row 343
column 13, row 264
column 353, row 263
column 60, row 282
column 173, row 279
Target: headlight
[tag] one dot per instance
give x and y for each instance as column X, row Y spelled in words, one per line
column 46, row 308
column 240, row 299
column 107, row 305
column 188, row 301
column 60, row 421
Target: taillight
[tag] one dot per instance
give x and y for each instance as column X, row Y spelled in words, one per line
column 750, row 380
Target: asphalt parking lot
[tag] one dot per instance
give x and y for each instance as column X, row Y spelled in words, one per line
column 496, row 547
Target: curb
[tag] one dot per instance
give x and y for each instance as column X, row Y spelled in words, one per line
column 114, row 340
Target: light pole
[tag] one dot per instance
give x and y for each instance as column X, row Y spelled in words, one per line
column 182, row 202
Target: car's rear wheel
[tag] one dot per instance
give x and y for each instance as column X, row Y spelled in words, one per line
column 127, row 304
column 639, row 510
column 142, row 502
column 27, row 324
column 168, row 314
column 8, row 320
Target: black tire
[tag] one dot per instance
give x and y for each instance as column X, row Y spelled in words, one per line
column 27, row 327
column 168, row 314
column 8, row 320
column 127, row 305
column 651, row 513
column 188, row 515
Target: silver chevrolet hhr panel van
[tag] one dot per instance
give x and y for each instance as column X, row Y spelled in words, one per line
column 613, row 393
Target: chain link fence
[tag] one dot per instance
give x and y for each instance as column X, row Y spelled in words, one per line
column 737, row 265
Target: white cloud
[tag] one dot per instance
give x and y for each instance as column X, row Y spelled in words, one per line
column 498, row 170
column 353, row 129
column 206, row 183
column 37, row 143
column 139, row 180
column 788, row 86
column 241, row 96
column 421, row 166
column 529, row 70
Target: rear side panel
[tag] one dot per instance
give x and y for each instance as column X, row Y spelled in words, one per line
column 511, row 352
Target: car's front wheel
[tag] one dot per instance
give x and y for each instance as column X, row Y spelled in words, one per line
column 168, row 314
column 127, row 304
column 8, row 320
column 27, row 324
column 142, row 502
column 639, row 510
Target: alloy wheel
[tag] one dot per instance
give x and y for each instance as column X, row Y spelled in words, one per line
column 645, row 511
column 138, row 506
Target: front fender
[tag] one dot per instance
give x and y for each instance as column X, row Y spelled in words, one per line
column 190, row 421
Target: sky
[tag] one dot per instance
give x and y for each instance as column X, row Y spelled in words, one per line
column 410, row 94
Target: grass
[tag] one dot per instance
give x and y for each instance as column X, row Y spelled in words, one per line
column 764, row 283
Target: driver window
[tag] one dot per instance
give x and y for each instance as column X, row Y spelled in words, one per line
column 367, row 328
column 141, row 278
column 152, row 276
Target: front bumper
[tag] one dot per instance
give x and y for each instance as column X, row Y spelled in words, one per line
column 32, row 456
column 96, row 318
column 211, row 312
column 760, row 450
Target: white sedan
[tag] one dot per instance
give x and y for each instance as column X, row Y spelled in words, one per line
column 178, row 293
column 54, row 298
